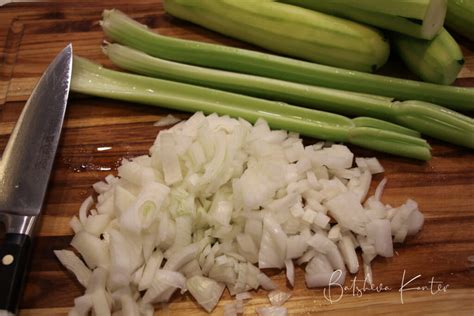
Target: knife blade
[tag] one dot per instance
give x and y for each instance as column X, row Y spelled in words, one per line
column 25, row 168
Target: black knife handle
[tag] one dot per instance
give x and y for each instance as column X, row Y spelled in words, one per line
column 14, row 255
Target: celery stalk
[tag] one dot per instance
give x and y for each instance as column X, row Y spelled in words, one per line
column 457, row 128
column 122, row 29
column 93, row 79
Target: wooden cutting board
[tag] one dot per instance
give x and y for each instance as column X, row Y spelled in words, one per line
column 97, row 133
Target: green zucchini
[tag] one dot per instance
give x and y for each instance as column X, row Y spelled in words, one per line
column 415, row 9
column 289, row 30
column 460, row 17
column 407, row 26
column 438, row 61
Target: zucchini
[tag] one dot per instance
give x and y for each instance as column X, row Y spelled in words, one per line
column 120, row 28
column 289, row 30
column 460, row 17
column 429, row 10
column 438, row 61
column 407, row 26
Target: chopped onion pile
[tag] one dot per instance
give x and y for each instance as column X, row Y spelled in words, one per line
column 216, row 201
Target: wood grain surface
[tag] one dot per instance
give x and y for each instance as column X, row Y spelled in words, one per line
column 31, row 34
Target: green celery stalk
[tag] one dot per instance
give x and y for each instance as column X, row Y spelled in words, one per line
column 122, row 29
column 424, row 117
column 92, row 79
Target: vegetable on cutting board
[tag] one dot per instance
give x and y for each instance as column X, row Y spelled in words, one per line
column 429, row 10
column 93, row 79
column 438, row 61
column 215, row 202
column 289, row 30
column 429, row 119
column 376, row 16
column 430, row 13
column 460, row 17
column 124, row 30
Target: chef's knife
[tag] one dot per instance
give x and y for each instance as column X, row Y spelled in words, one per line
column 25, row 168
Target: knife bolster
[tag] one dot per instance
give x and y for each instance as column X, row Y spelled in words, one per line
column 18, row 224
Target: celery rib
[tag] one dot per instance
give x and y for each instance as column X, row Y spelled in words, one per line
column 122, row 29
column 93, row 79
column 326, row 99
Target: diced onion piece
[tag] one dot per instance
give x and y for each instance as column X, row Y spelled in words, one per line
column 379, row 189
column 348, row 212
column 129, row 306
column 97, row 224
column 123, row 199
column 244, row 296
column 272, row 311
column 290, row 271
column 166, row 121
column 93, row 250
column 230, row 309
column 100, row 304
column 364, row 185
column 319, row 264
column 265, row 282
column 84, row 209
column 164, row 284
column 151, row 267
column 207, row 292
column 334, row 157
column 321, row 243
column 307, row 256
column 247, row 247
column 239, row 306
column 273, row 246
column 101, row 187
column 415, row 222
column 295, row 246
column 82, row 305
column 181, row 257
column 324, row 279
column 75, row 265
column 169, row 159
column 278, row 298
column 374, row 165
column 75, row 224
column 347, row 249
column 192, row 268
column 334, row 233
column 379, row 230
column 368, row 273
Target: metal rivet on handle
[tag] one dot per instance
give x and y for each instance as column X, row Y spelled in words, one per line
column 7, row 260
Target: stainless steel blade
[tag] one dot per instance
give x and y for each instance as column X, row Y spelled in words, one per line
column 28, row 157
